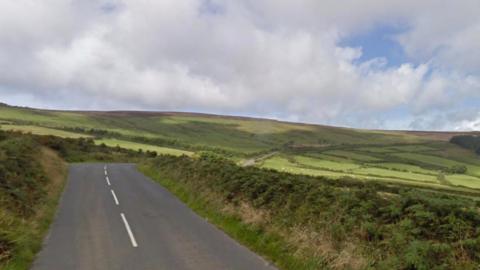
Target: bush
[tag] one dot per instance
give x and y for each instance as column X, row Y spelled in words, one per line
column 457, row 169
column 410, row 229
column 21, row 176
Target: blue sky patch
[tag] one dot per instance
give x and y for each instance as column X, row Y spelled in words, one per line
column 379, row 42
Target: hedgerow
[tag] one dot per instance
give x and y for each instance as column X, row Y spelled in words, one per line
column 392, row 227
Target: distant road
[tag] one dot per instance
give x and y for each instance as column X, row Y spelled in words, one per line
column 113, row 217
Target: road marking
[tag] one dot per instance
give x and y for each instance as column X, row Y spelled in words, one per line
column 114, row 196
column 129, row 231
column 108, row 181
column 106, row 172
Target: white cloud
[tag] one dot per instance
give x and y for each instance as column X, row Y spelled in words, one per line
column 269, row 58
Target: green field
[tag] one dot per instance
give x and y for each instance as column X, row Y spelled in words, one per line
column 413, row 164
column 237, row 135
column 144, row 147
column 399, row 157
column 405, row 168
column 283, row 164
column 383, row 179
column 351, row 155
column 326, row 164
column 43, row 131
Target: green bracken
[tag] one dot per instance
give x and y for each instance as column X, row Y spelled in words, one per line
column 363, row 224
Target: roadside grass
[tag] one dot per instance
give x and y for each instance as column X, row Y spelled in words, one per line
column 144, row 147
column 43, row 131
column 337, row 224
column 269, row 244
column 27, row 234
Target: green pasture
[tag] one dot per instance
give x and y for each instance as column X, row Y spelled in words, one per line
column 351, row 155
column 406, row 168
column 43, row 131
column 302, row 148
column 143, row 147
column 326, row 164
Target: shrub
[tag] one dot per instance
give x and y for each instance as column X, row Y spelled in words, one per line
column 412, row 229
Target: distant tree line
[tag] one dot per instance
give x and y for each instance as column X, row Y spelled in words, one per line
column 471, row 142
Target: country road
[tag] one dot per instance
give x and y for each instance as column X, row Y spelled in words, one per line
column 113, row 217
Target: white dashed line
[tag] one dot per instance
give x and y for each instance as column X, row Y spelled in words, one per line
column 125, row 222
column 129, row 231
column 114, row 197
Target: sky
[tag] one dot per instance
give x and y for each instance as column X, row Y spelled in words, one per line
column 397, row 64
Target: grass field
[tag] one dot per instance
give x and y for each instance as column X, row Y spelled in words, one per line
column 241, row 135
column 406, row 167
column 283, row 164
column 351, row 155
column 43, row 131
column 377, row 165
column 326, row 164
column 364, row 174
column 302, row 149
column 379, row 172
column 143, row 147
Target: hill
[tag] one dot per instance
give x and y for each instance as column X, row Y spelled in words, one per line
column 419, row 158
column 303, row 196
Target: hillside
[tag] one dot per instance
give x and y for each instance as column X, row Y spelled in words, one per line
column 303, row 196
column 237, row 134
column 419, row 158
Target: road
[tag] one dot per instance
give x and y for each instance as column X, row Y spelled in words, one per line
column 113, row 217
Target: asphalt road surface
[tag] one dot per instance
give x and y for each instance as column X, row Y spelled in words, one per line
column 113, row 217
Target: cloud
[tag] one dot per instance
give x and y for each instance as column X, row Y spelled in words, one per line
column 278, row 59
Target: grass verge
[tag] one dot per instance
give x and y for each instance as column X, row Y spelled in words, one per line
column 269, row 244
column 322, row 223
column 26, row 235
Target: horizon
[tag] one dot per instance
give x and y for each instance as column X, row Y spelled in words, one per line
column 398, row 66
column 241, row 117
